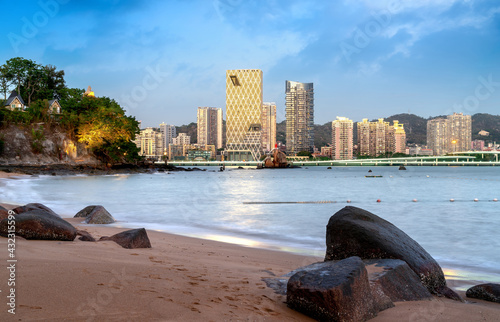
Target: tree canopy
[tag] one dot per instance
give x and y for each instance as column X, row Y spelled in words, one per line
column 98, row 122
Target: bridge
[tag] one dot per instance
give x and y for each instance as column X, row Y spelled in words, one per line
column 452, row 160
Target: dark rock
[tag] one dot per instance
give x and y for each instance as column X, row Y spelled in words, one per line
column 85, row 211
column 356, row 232
column 333, row 291
column 4, row 213
column 488, row 292
column 34, row 206
column 38, row 224
column 396, row 280
column 85, row 236
column 402, row 167
column 135, row 238
column 99, row 215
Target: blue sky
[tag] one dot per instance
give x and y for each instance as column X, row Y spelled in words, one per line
column 367, row 59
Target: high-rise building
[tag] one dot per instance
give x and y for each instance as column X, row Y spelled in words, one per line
column 460, row 128
column 299, row 117
column 364, row 138
column 243, row 113
column 342, row 129
column 268, row 120
column 437, row 136
column 169, row 133
column 209, row 122
column 452, row 134
column 379, row 137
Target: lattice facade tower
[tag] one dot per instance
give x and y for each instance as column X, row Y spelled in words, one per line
column 243, row 114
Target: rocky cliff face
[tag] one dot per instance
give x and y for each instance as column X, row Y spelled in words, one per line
column 39, row 144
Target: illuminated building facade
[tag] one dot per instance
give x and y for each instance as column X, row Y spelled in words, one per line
column 243, row 112
column 452, row 134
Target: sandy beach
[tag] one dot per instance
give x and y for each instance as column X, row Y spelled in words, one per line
column 179, row 279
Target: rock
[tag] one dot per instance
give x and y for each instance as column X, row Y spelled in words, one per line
column 34, row 206
column 488, row 292
column 135, row 238
column 38, row 224
column 85, row 236
column 85, row 211
column 333, row 291
column 4, row 213
column 353, row 231
column 396, row 280
column 99, row 215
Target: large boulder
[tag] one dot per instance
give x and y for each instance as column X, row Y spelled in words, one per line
column 135, row 238
column 488, row 292
column 85, row 211
column 38, row 224
column 4, row 213
column 34, row 206
column 333, row 291
column 396, row 280
column 96, row 215
column 353, row 231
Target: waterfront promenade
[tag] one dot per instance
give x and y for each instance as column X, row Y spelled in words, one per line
column 455, row 160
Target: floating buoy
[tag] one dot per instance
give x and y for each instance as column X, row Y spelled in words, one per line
column 378, row 200
column 414, row 200
column 427, row 176
column 451, row 200
column 476, row 200
column 348, row 200
column 495, row 200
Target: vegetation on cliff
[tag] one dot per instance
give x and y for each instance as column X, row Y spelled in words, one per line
column 98, row 122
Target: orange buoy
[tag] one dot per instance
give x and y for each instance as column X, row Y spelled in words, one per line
column 348, row 200
column 414, row 200
column 476, row 200
column 495, row 199
column 452, row 199
column 378, row 200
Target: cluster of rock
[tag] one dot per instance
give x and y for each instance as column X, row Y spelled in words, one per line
column 38, row 222
column 369, row 265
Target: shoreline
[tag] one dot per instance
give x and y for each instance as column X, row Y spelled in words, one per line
column 179, row 278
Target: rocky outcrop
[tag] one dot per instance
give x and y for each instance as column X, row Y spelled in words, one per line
column 333, row 291
column 38, row 224
column 135, row 238
column 4, row 213
column 35, row 206
column 356, row 232
column 488, row 292
column 96, row 215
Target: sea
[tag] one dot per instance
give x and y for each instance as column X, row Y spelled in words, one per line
column 452, row 212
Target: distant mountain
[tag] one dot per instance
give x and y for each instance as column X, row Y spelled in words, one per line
column 415, row 127
column 191, row 129
column 486, row 122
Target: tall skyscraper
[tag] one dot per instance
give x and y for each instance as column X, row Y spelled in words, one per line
column 243, row 112
column 168, row 133
column 210, row 126
column 377, row 137
column 342, row 129
column 268, row 119
column 397, row 138
column 299, row 117
column 452, row 134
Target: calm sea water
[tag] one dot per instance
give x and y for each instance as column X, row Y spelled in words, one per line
column 246, row 206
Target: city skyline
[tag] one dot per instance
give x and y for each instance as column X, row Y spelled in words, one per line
column 161, row 59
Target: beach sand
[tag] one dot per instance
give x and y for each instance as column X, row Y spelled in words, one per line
column 179, row 279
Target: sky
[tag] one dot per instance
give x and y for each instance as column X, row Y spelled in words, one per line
column 367, row 59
